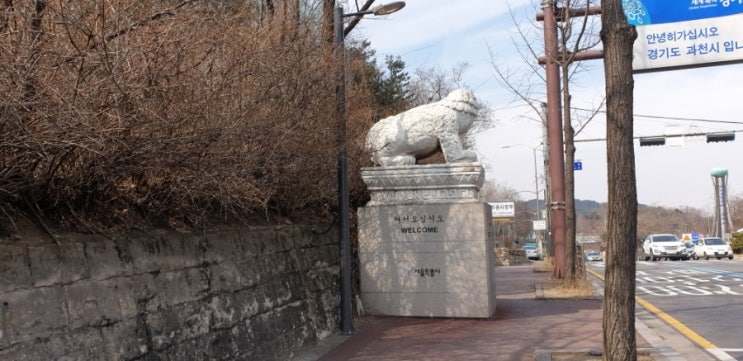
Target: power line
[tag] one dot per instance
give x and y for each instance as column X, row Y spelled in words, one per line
column 662, row 136
column 668, row 117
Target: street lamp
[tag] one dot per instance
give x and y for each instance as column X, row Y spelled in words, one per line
column 379, row 10
column 536, row 174
column 344, row 231
column 537, row 216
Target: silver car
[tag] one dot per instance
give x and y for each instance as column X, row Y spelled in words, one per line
column 659, row 246
column 690, row 251
column 532, row 252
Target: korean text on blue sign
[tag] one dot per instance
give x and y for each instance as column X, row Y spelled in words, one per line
column 683, row 33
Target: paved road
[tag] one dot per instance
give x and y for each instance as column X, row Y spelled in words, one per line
column 699, row 299
column 704, row 296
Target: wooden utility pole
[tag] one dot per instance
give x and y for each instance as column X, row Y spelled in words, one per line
column 555, row 140
column 560, row 138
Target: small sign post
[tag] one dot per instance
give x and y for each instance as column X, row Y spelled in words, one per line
column 503, row 209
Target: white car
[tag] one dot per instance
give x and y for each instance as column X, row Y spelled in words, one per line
column 593, row 256
column 668, row 246
column 713, row 247
column 532, row 252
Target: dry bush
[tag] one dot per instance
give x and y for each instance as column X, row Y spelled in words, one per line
column 575, row 288
column 563, row 288
column 168, row 112
column 545, row 265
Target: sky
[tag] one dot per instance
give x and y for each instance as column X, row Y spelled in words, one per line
column 445, row 33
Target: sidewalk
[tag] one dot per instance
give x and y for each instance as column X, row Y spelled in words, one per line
column 525, row 327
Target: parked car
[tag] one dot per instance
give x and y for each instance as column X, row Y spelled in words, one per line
column 713, row 247
column 593, row 256
column 659, row 246
column 690, row 250
column 532, row 252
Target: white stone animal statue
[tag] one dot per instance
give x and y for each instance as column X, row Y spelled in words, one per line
column 424, row 130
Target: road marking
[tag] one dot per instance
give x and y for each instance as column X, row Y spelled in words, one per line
column 721, row 354
column 709, row 270
column 680, row 327
column 686, row 279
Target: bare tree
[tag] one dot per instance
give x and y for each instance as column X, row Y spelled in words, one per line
column 433, row 84
column 328, row 11
column 650, row 219
column 620, row 342
column 568, row 50
column 572, row 41
column 736, row 211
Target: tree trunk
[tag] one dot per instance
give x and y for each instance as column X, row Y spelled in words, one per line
column 328, row 13
column 569, row 134
column 620, row 342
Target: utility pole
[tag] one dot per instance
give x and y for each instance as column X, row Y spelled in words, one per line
column 554, row 134
column 550, row 15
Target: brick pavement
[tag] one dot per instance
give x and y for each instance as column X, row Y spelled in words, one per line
column 523, row 324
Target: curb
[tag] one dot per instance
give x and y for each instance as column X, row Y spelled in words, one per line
column 546, row 355
column 538, row 291
column 316, row 352
column 665, row 352
column 660, row 351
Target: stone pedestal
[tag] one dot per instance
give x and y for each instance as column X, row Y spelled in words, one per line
column 425, row 242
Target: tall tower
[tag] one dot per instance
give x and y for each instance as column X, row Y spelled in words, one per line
column 721, row 225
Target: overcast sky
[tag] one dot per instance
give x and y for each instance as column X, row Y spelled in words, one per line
column 444, row 33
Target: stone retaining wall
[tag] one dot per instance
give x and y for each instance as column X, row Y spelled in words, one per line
column 510, row 257
column 248, row 294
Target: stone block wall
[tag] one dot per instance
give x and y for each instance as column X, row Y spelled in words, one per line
column 246, row 294
column 510, row 257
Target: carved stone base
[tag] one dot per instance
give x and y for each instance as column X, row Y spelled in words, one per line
column 433, row 260
column 424, row 184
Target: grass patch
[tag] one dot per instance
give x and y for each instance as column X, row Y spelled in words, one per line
column 545, row 265
column 568, row 289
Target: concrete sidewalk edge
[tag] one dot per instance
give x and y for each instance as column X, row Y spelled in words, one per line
column 667, row 352
column 322, row 347
column 546, row 355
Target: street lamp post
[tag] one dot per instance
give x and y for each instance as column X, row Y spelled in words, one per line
column 344, row 231
column 537, row 216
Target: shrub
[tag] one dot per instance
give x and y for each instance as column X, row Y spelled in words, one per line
column 737, row 243
column 140, row 112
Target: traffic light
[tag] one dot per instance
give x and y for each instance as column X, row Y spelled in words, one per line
column 720, row 137
column 652, row 141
